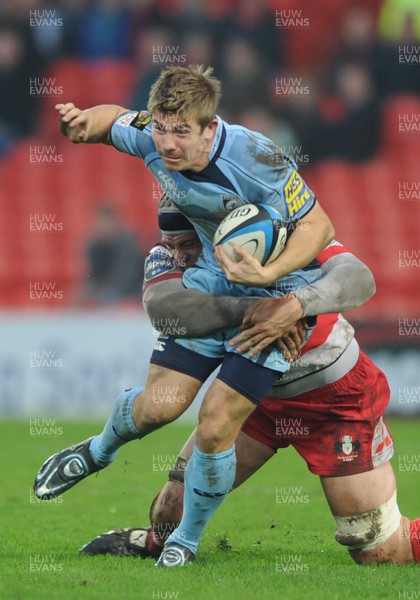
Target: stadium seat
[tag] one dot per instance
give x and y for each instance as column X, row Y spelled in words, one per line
column 311, row 46
column 66, row 195
column 336, row 187
column 376, row 225
column 400, row 126
column 85, row 84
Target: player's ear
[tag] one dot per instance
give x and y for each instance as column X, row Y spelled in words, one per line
column 211, row 128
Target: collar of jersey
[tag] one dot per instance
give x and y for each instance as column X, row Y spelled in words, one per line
column 218, row 142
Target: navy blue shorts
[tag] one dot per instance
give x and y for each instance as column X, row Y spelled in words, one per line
column 247, row 378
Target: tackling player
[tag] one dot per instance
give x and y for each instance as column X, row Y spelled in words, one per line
column 208, row 167
column 342, row 418
column 348, row 444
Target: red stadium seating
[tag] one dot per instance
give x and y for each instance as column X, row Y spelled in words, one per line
column 85, row 84
column 401, row 127
column 370, row 214
column 66, row 194
column 311, row 35
column 363, row 203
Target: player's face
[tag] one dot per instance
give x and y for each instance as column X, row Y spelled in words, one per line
column 185, row 247
column 181, row 142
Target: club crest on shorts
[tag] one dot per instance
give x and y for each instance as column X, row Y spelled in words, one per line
column 346, row 449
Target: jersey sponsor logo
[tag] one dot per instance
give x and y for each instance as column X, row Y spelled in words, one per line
column 125, row 119
column 346, row 449
column 296, row 193
column 141, row 120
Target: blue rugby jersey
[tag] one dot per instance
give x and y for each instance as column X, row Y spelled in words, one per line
column 245, row 167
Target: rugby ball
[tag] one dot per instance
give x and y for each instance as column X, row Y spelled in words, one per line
column 258, row 228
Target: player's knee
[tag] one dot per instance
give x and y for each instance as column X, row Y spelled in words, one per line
column 366, row 535
column 215, row 428
column 168, row 506
column 210, row 435
column 396, row 549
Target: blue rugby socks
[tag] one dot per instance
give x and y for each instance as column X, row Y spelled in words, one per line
column 118, row 430
column 208, row 478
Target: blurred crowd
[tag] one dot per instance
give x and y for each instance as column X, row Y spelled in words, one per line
column 114, row 260
column 330, row 108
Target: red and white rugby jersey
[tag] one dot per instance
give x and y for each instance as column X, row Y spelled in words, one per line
column 331, row 339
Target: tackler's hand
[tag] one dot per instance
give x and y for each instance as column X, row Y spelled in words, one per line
column 291, row 342
column 267, row 321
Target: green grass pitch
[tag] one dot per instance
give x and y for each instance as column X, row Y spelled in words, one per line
column 272, row 538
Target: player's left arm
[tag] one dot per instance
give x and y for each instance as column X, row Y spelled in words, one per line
column 311, row 234
column 177, row 311
column 346, row 283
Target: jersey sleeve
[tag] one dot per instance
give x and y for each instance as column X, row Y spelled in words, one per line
column 272, row 176
column 333, row 249
column 297, row 196
column 160, row 265
column 131, row 133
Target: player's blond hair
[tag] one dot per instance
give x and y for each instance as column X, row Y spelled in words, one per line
column 190, row 92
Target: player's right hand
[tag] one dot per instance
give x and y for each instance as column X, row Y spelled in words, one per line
column 72, row 122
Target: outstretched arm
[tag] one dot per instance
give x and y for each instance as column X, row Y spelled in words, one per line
column 90, row 126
